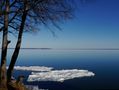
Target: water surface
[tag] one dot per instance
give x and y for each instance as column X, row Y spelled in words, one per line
column 104, row 63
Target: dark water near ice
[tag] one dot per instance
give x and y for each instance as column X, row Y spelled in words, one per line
column 104, row 63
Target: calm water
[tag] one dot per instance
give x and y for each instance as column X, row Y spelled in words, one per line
column 104, row 63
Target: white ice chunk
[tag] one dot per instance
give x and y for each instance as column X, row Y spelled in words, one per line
column 48, row 74
column 59, row 75
column 32, row 87
column 33, row 68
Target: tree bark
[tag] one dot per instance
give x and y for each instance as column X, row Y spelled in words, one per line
column 18, row 45
column 3, row 77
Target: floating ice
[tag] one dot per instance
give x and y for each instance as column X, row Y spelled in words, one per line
column 33, row 68
column 48, row 74
column 32, row 87
column 59, row 75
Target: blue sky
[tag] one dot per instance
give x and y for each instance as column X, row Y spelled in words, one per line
column 96, row 25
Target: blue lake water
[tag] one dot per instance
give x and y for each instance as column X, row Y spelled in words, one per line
column 104, row 63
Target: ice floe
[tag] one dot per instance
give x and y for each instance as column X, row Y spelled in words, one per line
column 59, row 75
column 32, row 87
column 33, row 68
column 42, row 73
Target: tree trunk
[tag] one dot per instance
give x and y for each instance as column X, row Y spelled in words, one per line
column 3, row 78
column 18, row 45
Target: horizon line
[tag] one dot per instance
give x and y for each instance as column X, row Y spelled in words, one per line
column 70, row 48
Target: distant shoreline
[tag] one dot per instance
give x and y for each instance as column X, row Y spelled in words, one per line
column 70, row 48
column 33, row 48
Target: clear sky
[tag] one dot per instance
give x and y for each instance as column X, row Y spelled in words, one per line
column 96, row 25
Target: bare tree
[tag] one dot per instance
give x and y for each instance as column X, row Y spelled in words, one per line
column 23, row 16
column 5, row 43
